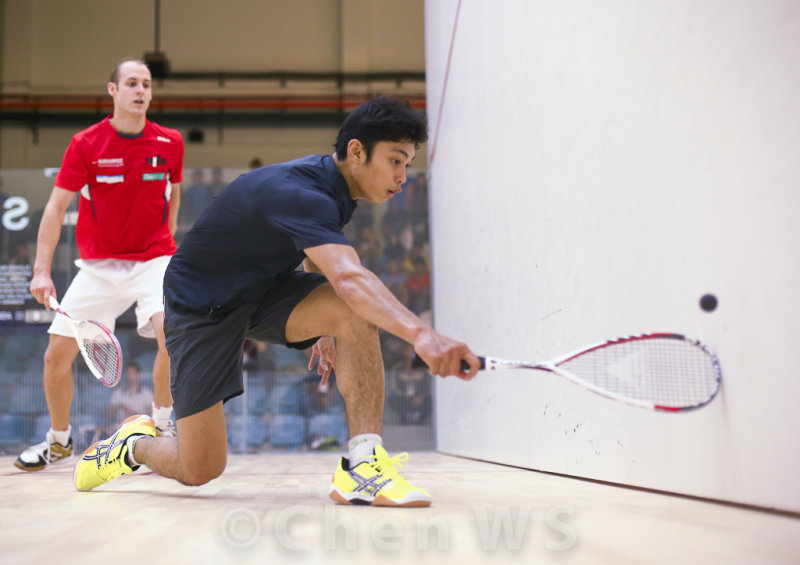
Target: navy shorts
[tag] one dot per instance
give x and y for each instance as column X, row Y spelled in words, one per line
column 205, row 352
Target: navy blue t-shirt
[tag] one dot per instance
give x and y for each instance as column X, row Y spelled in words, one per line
column 253, row 234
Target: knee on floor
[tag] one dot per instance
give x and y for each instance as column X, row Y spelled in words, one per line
column 195, row 477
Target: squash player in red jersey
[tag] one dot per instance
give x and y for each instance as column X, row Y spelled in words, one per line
column 127, row 171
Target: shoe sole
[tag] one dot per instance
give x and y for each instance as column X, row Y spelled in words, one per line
column 379, row 500
column 31, row 469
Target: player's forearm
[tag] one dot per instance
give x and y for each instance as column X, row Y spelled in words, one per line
column 368, row 297
column 174, row 207
column 47, row 239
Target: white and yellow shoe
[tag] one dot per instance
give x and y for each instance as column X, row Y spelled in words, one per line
column 39, row 456
column 166, row 429
column 376, row 483
column 105, row 460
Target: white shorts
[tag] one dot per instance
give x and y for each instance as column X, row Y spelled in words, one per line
column 104, row 289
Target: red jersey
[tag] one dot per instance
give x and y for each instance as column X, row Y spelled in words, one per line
column 125, row 184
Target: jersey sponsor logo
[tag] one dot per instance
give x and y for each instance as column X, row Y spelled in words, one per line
column 154, row 176
column 118, row 162
column 110, row 179
column 156, row 160
column 164, row 139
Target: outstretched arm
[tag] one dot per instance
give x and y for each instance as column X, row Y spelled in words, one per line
column 368, row 297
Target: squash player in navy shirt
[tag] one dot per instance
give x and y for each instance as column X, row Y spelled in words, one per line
column 235, row 276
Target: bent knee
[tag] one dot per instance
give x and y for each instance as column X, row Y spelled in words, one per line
column 198, row 477
column 195, row 474
column 357, row 327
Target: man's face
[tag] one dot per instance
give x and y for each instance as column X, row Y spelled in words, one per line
column 383, row 176
column 132, row 94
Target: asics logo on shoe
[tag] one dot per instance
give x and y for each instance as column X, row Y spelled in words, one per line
column 377, row 483
column 370, row 486
column 102, row 451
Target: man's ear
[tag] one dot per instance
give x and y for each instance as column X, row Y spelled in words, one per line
column 356, row 151
column 112, row 89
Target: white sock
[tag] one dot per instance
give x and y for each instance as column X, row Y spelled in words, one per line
column 362, row 447
column 161, row 414
column 130, row 458
column 62, row 436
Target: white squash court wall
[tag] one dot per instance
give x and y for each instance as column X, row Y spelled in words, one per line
column 598, row 166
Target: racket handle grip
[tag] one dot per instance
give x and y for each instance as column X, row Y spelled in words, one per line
column 418, row 363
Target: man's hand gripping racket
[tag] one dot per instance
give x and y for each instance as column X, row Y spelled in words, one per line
column 659, row 371
column 99, row 347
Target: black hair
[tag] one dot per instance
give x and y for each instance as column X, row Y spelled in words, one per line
column 381, row 119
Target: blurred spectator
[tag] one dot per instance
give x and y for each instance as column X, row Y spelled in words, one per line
column 254, row 358
column 390, row 245
column 194, row 199
column 320, row 400
column 256, row 163
column 419, row 285
column 394, row 352
column 217, row 181
column 367, row 247
column 419, row 204
column 129, row 398
column 409, row 389
column 417, row 251
column 394, row 277
column 405, row 235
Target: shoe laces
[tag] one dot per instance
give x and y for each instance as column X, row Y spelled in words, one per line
column 389, row 466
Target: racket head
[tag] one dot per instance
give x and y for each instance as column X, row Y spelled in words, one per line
column 668, row 372
column 101, row 351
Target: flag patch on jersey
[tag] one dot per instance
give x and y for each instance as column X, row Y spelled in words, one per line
column 110, row 179
column 154, row 176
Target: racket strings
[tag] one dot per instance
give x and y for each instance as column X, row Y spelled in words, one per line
column 665, row 371
column 101, row 352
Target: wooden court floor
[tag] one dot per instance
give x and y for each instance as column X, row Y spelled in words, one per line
column 274, row 509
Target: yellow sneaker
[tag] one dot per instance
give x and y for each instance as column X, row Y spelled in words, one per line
column 104, row 461
column 376, row 483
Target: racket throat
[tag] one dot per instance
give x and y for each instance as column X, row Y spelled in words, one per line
column 494, row 363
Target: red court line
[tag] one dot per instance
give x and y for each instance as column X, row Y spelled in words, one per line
column 444, row 86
